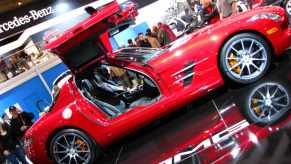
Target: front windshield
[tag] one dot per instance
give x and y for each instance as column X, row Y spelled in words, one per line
column 139, row 54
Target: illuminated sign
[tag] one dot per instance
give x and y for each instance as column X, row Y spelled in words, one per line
column 32, row 15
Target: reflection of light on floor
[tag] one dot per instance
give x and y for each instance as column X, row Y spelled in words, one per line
column 28, row 160
column 253, row 138
column 224, row 110
column 235, row 152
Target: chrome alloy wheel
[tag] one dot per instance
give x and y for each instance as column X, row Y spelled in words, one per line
column 246, row 58
column 288, row 7
column 71, row 148
column 268, row 102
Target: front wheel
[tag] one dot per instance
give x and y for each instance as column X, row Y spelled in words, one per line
column 245, row 58
column 72, row 146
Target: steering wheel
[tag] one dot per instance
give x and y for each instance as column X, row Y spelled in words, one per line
column 127, row 94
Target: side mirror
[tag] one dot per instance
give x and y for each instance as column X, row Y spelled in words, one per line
column 90, row 10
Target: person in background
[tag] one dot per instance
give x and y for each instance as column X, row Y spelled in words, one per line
column 137, row 42
column 131, row 43
column 226, row 8
column 155, row 31
column 209, row 10
column 152, row 40
column 143, row 42
column 10, row 148
column 196, row 6
column 163, row 37
column 250, row 4
column 2, row 158
column 187, row 17
column 168, row 30
column 3, row 67
column 5, row 119
column 119, row 75
column 20, row 122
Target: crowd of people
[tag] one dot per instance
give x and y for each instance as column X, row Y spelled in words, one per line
column 225, row 7
column 162, row 34
column 13, row 65
column 156, row 37
column 11, row 134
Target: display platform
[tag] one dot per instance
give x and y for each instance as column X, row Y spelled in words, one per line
column 213, row 129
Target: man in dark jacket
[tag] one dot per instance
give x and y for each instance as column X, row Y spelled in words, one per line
column 20, row 122
column 10, row 148
column 143, row 42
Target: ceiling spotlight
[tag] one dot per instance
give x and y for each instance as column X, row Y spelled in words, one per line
column 19, row 3
column 62, row 7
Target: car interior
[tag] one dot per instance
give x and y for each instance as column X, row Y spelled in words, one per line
column 117, row 90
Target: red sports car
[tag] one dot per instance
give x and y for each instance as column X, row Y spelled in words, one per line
column 108, row 95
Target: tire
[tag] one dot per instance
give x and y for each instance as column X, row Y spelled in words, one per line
column 245, row 58
column 287, row 7
column 264, row 111
column 84, row 150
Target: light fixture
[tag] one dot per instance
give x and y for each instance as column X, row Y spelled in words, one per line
column 62, row 7
column 19, row 3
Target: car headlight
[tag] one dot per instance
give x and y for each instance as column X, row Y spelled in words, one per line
column 272, row 16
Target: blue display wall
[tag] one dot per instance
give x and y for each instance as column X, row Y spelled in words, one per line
column 32, row 92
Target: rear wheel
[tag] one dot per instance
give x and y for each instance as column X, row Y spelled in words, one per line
column 72, row 146
column 245, row 58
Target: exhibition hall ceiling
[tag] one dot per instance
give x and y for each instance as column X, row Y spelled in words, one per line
column 8, row 5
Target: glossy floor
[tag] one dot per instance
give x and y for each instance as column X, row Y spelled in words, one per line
column 173, row 139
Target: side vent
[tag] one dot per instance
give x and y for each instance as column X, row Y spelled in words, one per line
column 189, row 73
column 186, row 74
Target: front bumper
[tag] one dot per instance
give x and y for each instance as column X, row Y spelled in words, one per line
column 35, row 150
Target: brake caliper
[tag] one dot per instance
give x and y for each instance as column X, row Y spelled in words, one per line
column 232, row 62
column 81, row 144
column 256, row 107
